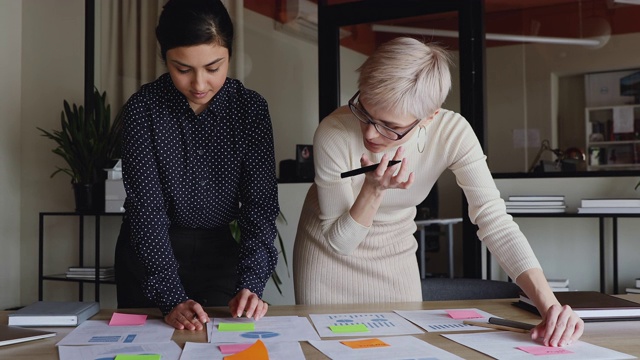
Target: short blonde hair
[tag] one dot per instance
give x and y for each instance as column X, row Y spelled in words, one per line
column 407, row 77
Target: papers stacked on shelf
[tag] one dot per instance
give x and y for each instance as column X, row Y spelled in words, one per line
column 610, row 206
column 634, row 290
column 536, row 204
column 558, row 284
column 89, row 273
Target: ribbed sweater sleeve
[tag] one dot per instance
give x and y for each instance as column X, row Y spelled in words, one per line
column 332, row 157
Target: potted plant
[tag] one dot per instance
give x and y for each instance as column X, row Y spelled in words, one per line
column 87, row 142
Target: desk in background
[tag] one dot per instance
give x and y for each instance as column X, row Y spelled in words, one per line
column 624, row 339
column 422, row 224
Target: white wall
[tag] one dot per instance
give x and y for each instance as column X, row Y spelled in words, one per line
column 10, row 164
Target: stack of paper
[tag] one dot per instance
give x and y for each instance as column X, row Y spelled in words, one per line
column 634, row 290
column 89, row 273
column 610, row 206
column 536, row 204
column 558, row 284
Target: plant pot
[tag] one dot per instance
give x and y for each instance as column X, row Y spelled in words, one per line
column 89, row 197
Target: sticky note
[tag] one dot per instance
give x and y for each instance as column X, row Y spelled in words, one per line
column 236, row 326
column 137, row 357
column 341, row 329
column 544, row 350
column 232, row 348
column 365, row 344
column 464, row 314
column 256, row 351
column 119, row 319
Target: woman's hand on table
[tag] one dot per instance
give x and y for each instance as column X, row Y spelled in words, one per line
column 187, row 315
column 248, row 303
column 560, row 326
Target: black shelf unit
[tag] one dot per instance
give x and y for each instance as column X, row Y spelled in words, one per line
column 601, row 237
column 81, row 238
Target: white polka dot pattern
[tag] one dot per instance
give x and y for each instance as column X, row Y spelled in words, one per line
column 199, row 171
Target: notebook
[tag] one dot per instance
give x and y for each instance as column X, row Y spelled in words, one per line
column 13, row 334
column 591, row 306
column 54, row 313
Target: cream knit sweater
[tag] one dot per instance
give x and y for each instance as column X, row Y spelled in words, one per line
column 338, row 261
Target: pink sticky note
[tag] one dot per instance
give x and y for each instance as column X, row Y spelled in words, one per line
column 544, row 350
column 464, row 314
column 233, row 348
column 119, row 319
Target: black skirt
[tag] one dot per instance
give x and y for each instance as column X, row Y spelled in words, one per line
column 207, row 262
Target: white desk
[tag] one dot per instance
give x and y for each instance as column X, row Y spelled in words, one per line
column 421, row 226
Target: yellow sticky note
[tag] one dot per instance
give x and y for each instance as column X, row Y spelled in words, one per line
column 341, row 329
column 365, row 344
column 256, row 351
column 236, row 326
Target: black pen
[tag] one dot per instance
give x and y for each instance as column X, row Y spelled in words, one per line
column 365, row 169
column 511, row 323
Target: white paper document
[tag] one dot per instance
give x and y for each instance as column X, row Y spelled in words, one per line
column 377, row 323
column 623, row 119
column 98, row 332
column 267, row 329
column 441, row 321
column 504, row 345
column 400, row 347
column 167, row 351
column 286, row 350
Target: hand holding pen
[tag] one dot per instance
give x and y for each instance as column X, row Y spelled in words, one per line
column 383, row 175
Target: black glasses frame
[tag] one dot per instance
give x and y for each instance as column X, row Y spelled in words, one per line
column 361, row 114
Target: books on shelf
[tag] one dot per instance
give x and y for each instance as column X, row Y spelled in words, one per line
column 609, row 210
column 13, row 334
column 536, row 198
column 638, row 282
column 533, row 203
column 558, row 282
column 633, row 290
column 536, row 204
column 610, row 203
column 54, row 313
column 591, row 306
column 536, row 210
column 609, row 206
column 89, row 273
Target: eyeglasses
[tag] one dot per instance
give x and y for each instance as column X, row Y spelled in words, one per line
column 359, row 111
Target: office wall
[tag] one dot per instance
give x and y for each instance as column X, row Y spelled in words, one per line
column 10, row 66
column 522, row 91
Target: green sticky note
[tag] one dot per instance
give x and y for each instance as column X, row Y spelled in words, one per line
column 236, row 326
column 341, row 329
column 137, row 357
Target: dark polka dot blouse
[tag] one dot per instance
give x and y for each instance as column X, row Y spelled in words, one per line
column 199, row 171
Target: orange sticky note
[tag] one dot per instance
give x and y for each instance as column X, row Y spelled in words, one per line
column 464, row 314
column 256, row 351
column 544, row 350
column 365, row 344
column 120, row 319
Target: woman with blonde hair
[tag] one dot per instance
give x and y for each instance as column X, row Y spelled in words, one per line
column 355, row 240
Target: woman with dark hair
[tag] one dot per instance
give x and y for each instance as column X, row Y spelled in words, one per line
column 197, row 154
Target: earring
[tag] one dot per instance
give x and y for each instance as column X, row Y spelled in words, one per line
column 421, row 132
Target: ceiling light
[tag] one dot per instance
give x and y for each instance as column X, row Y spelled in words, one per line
column 499, row 37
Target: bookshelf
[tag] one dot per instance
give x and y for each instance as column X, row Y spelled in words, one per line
column 613, row 137
column 96, row 281
column 601, row 241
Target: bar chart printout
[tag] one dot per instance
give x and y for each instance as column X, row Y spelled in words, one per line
column 376, row 323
